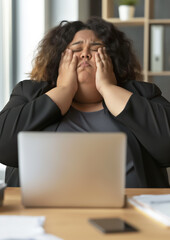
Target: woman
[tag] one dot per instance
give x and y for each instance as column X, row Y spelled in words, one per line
column 84, row 79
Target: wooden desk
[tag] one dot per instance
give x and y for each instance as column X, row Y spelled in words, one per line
column 72, row 224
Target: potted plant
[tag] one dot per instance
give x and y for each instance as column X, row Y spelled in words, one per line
column 126, row 9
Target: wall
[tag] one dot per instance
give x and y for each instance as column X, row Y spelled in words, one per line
column 29, row 29
column 5, row 50
column 60, row 10
column 1, row 61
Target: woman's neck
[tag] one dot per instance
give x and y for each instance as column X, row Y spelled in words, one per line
column 88, row 107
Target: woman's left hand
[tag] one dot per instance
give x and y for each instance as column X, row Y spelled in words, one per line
column 104, row 73
column 115, row 97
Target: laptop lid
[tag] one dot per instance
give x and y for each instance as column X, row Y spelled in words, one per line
column 72, row 169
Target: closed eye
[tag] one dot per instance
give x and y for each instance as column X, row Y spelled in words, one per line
column 76, row 50
column 94, row 50
column 79, row 50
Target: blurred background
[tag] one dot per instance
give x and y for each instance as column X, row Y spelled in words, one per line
column 23, row 23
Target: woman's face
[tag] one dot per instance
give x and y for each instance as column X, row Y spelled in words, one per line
column 84, row 45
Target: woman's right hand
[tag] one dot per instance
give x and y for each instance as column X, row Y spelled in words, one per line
column 67, row 84
column 67, row 76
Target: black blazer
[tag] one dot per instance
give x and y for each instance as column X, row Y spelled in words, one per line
column 146, row 115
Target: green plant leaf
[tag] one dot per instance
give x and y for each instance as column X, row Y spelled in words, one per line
column 127, row 2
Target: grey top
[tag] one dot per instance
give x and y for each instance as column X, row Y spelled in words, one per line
column 102, row 121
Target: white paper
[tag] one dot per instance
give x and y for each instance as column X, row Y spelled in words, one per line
column 23, row 227
column 156, row 206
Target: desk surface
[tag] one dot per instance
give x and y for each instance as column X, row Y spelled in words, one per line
column 73, row 223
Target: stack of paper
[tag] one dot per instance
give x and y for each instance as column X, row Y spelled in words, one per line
column 155, row 206
column 23, row 227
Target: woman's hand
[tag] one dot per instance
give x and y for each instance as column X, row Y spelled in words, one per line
column 68, row 71
column 104, row 73
column 114, row 96
column 67, row 84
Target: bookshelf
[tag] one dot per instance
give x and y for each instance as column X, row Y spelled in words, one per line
column 146, row 21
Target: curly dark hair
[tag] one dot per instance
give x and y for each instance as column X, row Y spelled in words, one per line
column 118, row 47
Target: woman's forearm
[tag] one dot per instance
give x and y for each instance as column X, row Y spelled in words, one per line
column 115, row 98
column 62, row 97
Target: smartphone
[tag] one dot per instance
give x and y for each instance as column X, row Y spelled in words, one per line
column 112, row 225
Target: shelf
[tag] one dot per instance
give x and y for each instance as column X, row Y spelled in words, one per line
column 164, row 73
column 145, row 21
column 131, row 22
column 159, row 21
column 137, row 21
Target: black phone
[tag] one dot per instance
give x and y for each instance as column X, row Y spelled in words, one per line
column 112, row 225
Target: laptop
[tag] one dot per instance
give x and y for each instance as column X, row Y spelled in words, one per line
column 72, row 169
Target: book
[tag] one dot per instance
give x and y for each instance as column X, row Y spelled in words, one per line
column 155, row 206
column 157, row 48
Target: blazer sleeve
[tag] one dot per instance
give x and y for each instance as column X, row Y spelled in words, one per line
column 28, row 109
column 148, row 117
